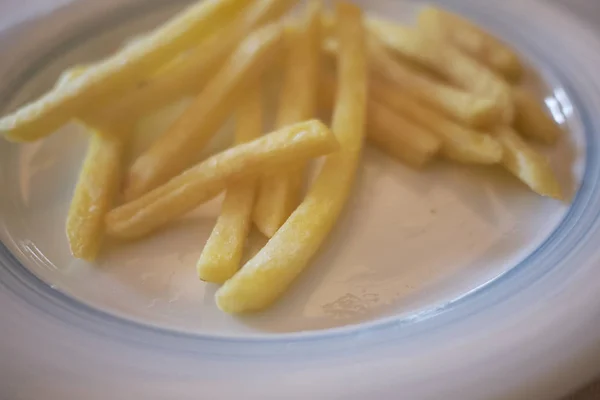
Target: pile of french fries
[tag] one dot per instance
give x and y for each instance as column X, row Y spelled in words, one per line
column 443, row 88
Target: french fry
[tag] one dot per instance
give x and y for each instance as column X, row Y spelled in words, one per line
column 391, row 132
column 532, row 120
column 189, row 73
column 279, row 194
column 177, row 148
column 459, row 143
column 292, row 144
column 468, row 108
column 119, row 72
column 528, row 165
column 447, row 61
column 465, row 107
column 399, row 137
column 223, row 251
column 471, row 39
column 266, row 276
column 97, row 185
column 94, row 194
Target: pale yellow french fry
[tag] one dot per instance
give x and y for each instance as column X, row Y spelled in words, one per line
column 471, row 39
column 96, row 188
column 179, row 146
column 279, row 194
column 459, row 143
column 221, row 256
column 391, row 132
column 118, row 73
column 468, row 108
column 292, row 144
column 401, row 138
column 190, row 72
column 266, row 276
column 447, row 61
column 528, row 165
column 532, row 119
column 465, row 107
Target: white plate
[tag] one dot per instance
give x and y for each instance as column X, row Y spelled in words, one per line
column 453, row 281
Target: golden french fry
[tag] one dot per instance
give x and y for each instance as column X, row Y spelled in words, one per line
column 459, row 143
column 96, row 123
column 178, row 147
column 223, row 251
column 447, row 61
column 266, row 276
column 97, row 185
column 399, row 137
column 94, row 194
column 532, row 120
column 471, row 39
column 528, row 165
column 189, row 73
column 391, row 132
column 468, row 108
column 119, row 72
column 292, row 144
column 279, row 194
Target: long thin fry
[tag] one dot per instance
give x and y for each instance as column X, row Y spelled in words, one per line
column 190, row 72
column 391, row 132
column 178, row 147
column 447, row 61
column 94, row 194
column 532, row 120
column 459, row 143
column 97, row 185
column 528, row 165
column 465, row 107
column 266, row 276
column 120, row 72
column 293, row 144
column 472, row 39
column 223, row 251
column 279, row 194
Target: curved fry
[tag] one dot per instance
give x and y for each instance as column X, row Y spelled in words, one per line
column 266, row 276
